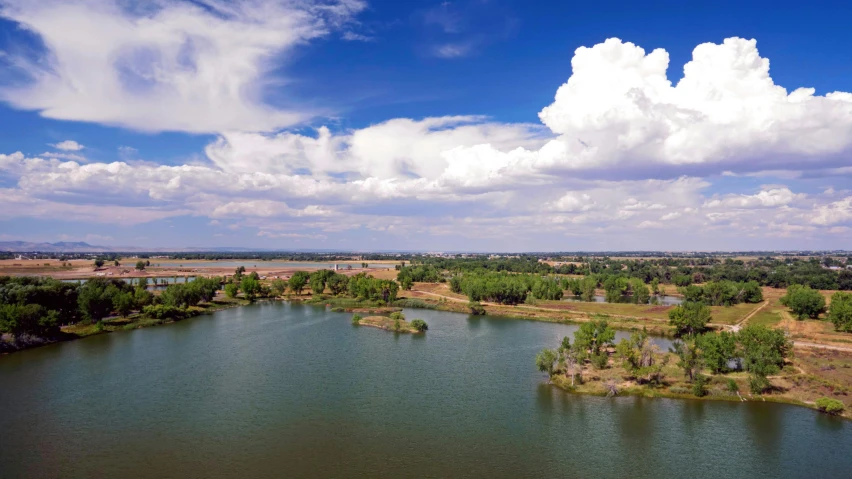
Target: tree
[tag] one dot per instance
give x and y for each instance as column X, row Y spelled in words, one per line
column 95, row 300
column 717, row 350
column 278, row 287
column 764, row 352
column 592, row 337
column 98, row 263
column 830, row 406
column 545, row 361
column 231, row 290
column 689, row 356
column 689, row 318
column 337, row 283
column 116, row 263
column 123, row 303
column 140, row 265
column 250, row 287
column 840, row 311
column 318, row 280
column 803, row 301
column 298, row 281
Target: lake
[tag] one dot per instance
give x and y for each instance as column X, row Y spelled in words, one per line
column 281, row 390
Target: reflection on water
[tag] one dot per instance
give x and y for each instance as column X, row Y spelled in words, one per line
column 280, row 390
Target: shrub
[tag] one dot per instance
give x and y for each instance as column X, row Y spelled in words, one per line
column 413, row 303
column 396, row 324
column 476, row 308
column 397, row 315
column 162, row 311
column 732, row 386
column 419, row 325
column 830, row 406
column 356, row 319
column 678, row 390
column 600, row 360
column 699, row 385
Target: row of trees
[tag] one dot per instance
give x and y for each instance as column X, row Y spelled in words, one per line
column 724, row 292
column 506, row 288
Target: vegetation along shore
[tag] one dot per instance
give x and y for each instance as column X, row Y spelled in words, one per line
column 744, row 329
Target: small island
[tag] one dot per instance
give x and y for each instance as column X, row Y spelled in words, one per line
column 394, row 322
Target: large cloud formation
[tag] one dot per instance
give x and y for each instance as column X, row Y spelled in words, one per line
column 621, row 149
column 196, row 66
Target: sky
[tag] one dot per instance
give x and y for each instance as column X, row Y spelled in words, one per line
column 473, row 125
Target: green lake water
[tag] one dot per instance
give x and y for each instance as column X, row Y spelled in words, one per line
column 281, row 390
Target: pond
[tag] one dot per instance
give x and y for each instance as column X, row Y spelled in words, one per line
column 282, row 390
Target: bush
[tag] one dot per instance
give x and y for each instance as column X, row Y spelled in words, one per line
column 163, row 311
column 413, row 303
column 678, row 390
column 732, row 386
column 600, row 360
column 337, row 310
column 396, row 325
column 699, row 385
column 476, row 308
column 419, row 325
column 356, row 319
column 397, row 315
column 830, row 406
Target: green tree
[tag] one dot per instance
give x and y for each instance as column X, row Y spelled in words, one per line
column 689, row 358
column 298, row 281
column 231, row 290
column 764, row 351
column 98, row 263
column 123, row 303
column 689, row 318
column 830, row 406
column 840, row 311
column 717, row 350
column 140, row 265
column 250, row 287
column 278, row 287
column 337, row 283
column 592, row 337
column 95, row 300
column 803, row 301
column 545, row 361
column 116, row 263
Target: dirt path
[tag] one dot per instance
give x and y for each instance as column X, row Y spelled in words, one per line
column 736, row 327
column 803, row 344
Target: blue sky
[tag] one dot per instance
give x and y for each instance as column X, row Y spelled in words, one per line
column 427, row 125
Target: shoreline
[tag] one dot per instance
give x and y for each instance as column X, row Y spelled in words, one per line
column 561, row 382
column 655, row 394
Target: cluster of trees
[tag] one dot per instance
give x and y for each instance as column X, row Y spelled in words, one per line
column 766, row 271
column 38, row 307
column 759, row 350
column 364, row 287
column 506, row 288
column 590, row 345
column 425, row 273
column 724, row 292
column 481, row 264
column 840, row 311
